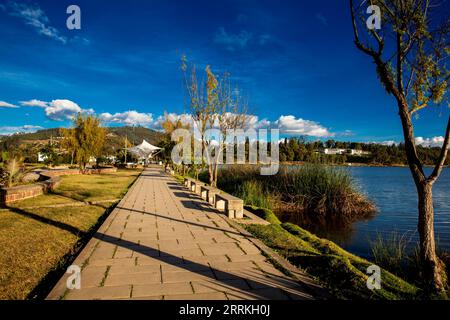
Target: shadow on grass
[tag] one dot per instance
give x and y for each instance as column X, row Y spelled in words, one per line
column 47, row 283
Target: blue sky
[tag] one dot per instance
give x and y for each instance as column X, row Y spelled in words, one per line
column 294, row 61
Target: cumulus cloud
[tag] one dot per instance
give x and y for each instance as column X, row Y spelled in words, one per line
column 59, row 109
column 387, row 143
column 5, row 104
column 8, row 130
column 232, row 41
column 129, row 118
column 430, row 142
column 298, row 126
column 420, row 141
column 34, row 103
column 185, row 118
column 289, row 125
column 35, row 17
column 63, row 109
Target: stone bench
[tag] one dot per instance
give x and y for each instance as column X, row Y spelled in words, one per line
column 187, row 182
column 196, row 186
column 208, row 193
column 233, row 206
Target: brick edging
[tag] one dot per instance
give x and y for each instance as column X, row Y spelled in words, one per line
column 49, row 181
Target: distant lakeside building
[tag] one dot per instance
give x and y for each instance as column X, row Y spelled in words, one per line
column 353, row 152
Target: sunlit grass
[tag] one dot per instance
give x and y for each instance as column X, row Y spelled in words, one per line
column 35, row 241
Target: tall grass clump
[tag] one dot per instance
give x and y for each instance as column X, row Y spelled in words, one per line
column 315, row 191
column 323, row 192
column 391, row 252
column 254, row 194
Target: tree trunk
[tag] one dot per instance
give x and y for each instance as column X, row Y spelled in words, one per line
column 212, row 182
column 432, row 270
column 431, row 265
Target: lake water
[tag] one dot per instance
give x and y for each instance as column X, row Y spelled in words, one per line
column 393, row 191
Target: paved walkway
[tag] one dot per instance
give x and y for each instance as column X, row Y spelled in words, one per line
column 164, row 242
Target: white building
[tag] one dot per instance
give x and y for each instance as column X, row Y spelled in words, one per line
column 334, row 151
column 355, row 152
column 41, row 157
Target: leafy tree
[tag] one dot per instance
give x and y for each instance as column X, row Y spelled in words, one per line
column 409, row 52
column 85, row 139
column 69, row 142
column 169, row 125
column 51, row 157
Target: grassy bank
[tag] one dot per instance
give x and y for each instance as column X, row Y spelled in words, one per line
column 343, row 273
column 39, row 235
column 310, row 192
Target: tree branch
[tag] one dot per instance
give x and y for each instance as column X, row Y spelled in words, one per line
column 358, row 43
column 442, row 157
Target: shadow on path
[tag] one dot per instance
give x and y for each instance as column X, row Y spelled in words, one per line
column 250, row 281
column 181, row 220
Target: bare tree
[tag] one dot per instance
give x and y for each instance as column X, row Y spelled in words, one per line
column 409, row 52
column 232, row 115
column 213, row 104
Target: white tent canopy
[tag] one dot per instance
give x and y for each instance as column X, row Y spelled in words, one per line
column 144, row 150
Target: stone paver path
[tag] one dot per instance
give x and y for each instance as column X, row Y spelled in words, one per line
column 164, row 242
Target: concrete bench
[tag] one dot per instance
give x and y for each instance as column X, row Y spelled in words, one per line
column 233, row 207
column 188, row 182
column 208, row 193
column 196, row 186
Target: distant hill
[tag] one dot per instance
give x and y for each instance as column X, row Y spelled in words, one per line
column 43, row 134
column 135, row 135
column 115, row 136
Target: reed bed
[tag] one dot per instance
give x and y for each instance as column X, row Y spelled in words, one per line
column 310, row 191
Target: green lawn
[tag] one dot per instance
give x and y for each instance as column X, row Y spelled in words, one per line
column 37, row 239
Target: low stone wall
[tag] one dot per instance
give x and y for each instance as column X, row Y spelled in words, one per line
column 50, row 179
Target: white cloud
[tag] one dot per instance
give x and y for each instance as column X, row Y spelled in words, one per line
column 286, row 124
column 129, row 118
column 291, row 125
column 430, row 142
column 62, row 109
column 34, row 103
column 232, row 41
column 8, row 130
column 34, row 16
column 5, row 104
column 387, row 143
column 185, row 118
column 59, row 109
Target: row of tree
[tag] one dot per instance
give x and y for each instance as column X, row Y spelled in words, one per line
column 299, row 149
